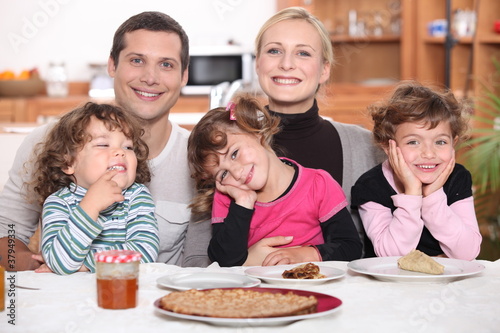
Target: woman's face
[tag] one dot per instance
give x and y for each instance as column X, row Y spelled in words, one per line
column 290, row 65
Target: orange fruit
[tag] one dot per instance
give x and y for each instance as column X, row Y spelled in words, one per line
column 7, row 75
column 25, row 75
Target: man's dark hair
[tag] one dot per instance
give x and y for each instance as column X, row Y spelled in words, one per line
column 152, row 21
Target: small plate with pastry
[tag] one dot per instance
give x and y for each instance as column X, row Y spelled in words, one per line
column 303, row 274
column 246, row 307
column 416, row 266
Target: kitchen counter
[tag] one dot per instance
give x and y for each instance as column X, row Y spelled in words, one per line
column 343, row 103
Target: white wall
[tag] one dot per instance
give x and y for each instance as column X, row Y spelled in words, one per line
column 79, row 32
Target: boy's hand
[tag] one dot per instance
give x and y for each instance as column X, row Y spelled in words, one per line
column 101, row 194
column 410, row 183
column 441, row 179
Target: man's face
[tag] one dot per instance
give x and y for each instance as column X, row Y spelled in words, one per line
column 148, row 77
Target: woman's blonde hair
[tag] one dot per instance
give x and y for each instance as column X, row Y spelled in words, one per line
column 210, row 136
column 298, row 13
column 69, row 135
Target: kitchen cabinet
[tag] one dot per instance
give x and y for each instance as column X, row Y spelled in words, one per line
column 347, row 103
column 12, row 109
column 192, row 103
column 381, row 55
column 344, row 103
column 370, row 44
column 41, row 108
column 470, row 57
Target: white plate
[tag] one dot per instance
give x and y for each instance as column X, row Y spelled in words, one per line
column 272, row 274
column 326, row 305
column 206, row 280
column 386, row 269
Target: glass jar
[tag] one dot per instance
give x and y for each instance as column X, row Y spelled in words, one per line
column 57, row 80
column 117, row 273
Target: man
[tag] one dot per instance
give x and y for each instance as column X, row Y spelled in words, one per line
column 149, row 63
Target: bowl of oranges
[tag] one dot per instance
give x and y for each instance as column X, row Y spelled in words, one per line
column 24, row 84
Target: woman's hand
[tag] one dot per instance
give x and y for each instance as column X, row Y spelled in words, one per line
column 411, row 185
column 441, row 179
column 291, row 255
column 244, row 198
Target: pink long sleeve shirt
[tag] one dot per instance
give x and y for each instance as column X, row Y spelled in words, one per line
column 396, row 234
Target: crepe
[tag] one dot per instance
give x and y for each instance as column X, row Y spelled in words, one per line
column 417, row 261
column 305, row 271
column 238, row 303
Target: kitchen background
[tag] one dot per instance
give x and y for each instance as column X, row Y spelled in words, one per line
column 36, row 32
column 376, row 42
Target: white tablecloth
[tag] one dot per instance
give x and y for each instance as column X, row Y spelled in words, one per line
column 68, row 304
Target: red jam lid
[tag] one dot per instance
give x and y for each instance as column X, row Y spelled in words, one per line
column 117, row 256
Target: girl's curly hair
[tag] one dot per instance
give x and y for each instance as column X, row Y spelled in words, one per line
column 414, row 102
column 209, row 137
column 68, row 136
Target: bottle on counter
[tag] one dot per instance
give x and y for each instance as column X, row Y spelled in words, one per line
column 117, row 273
column 57, row 80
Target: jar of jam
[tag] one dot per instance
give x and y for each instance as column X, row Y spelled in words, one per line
column 117, row 273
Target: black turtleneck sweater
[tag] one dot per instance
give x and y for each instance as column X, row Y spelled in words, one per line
column 310, row 140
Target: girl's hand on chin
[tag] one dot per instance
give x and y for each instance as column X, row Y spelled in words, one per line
column 244, row 198
column 441, row 179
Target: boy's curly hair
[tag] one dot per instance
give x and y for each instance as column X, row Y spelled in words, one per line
column 209, row 137
column 68, row 136
column 414, row 102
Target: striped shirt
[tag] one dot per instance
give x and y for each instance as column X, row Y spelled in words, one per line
column 70, row 237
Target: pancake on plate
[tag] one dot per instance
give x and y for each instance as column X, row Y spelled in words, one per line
column 238, row 303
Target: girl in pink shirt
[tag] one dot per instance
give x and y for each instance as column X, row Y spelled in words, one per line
column 419, row 197
column 253, row 194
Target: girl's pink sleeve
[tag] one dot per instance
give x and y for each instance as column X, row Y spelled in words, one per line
column 329, row 196
column 220, row 207
column 455, row 226
column 393, row 234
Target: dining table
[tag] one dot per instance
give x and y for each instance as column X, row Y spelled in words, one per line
column 46, row 302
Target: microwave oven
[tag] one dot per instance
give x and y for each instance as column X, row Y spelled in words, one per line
column 210, row 66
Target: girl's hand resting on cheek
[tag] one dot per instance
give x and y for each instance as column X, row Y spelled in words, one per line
column 441, row 179
column 411, row 185
column 244, row 198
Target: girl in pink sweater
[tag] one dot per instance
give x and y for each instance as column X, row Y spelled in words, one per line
column 253, row 194
column 419, row 197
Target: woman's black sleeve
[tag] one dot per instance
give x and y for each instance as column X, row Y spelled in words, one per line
column 341, row 238
column 229, row 243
